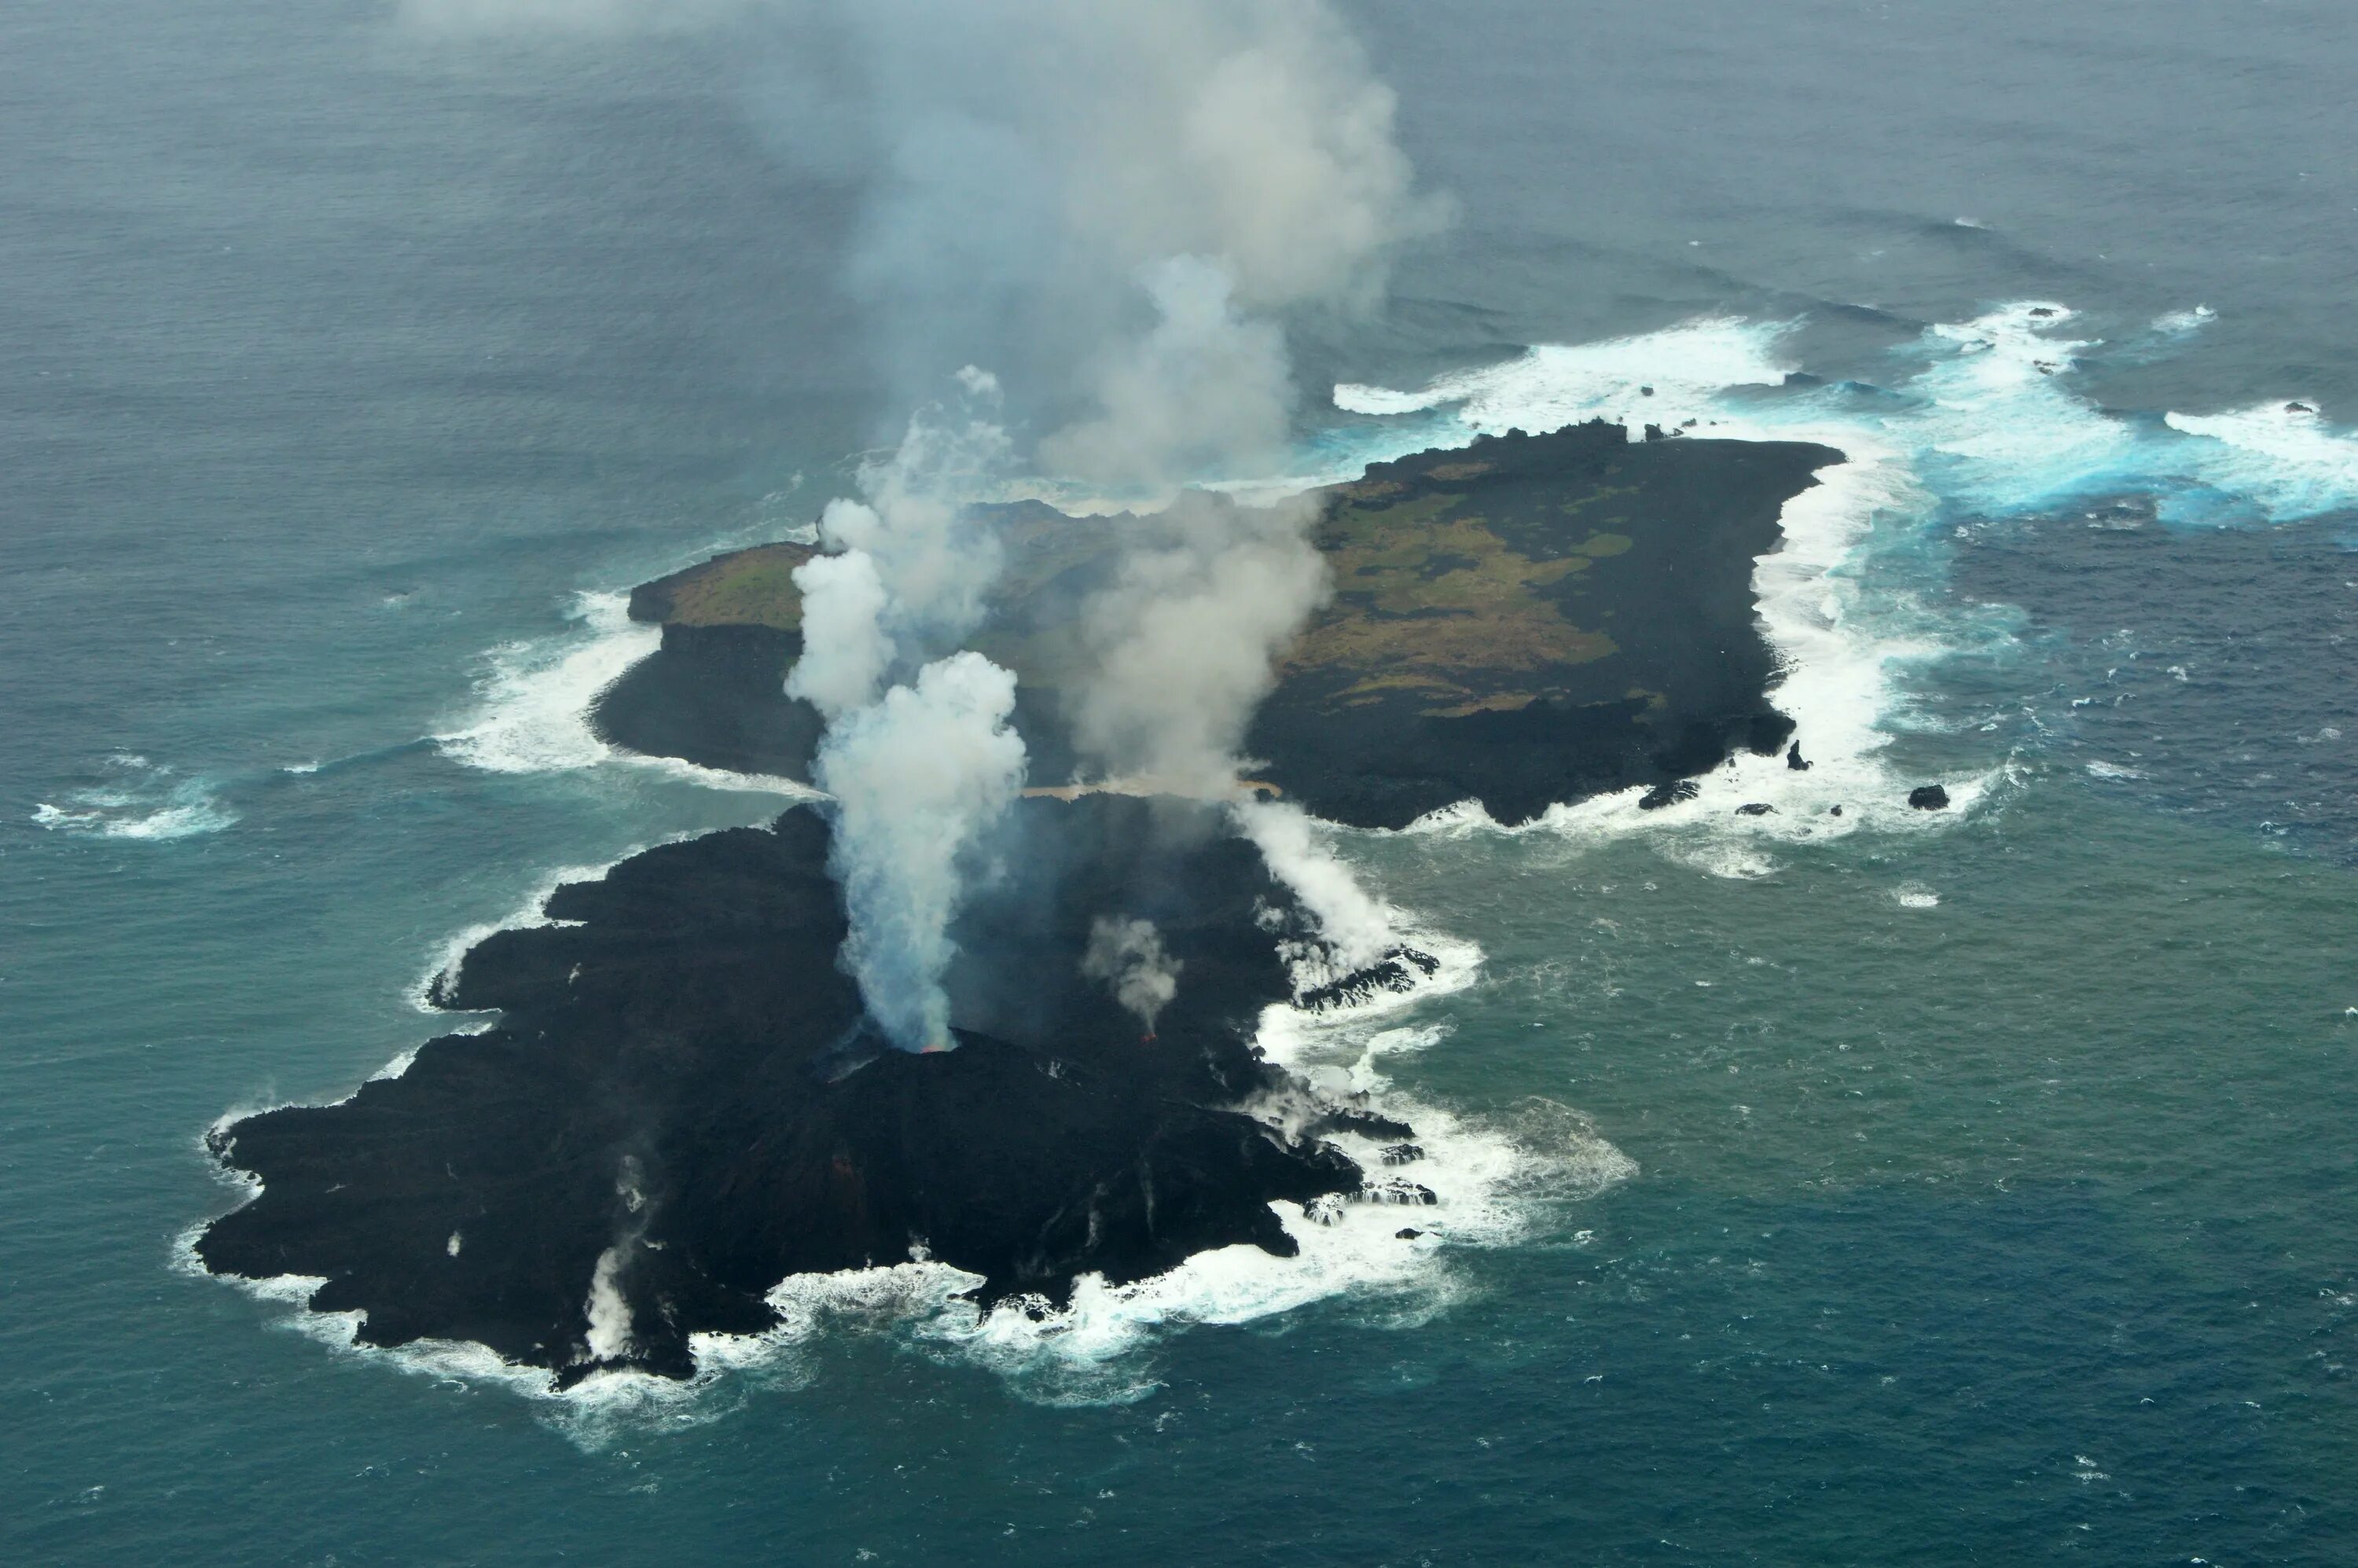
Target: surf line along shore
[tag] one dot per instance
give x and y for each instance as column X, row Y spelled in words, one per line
column 681, row 1103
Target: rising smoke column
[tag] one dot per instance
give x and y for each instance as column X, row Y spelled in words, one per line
column 1128, row 955
column 919, row 773
column 1145, row 191
column 917, row 777
column 1120, row 203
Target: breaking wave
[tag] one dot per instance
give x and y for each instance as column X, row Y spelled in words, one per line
column 533, row 705
column 138, row 799
column 2284, row 458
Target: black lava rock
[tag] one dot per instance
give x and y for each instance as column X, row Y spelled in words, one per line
column 1396, row 971
column 1754, row 808
column 682, row 1101
column 1670, row 794
column 1793, row 758
column 1928, row 797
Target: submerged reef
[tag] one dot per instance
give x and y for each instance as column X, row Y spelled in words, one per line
column 1528, row 621
column 680, row 1105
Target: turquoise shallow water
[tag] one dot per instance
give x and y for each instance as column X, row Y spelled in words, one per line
column 1993, row 1191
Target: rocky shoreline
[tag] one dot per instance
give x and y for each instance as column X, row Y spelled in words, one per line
column 679, row 1106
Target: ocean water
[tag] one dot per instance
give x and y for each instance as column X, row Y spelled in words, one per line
column 1944, row 1188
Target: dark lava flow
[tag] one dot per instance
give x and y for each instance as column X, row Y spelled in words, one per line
column 682, row 1080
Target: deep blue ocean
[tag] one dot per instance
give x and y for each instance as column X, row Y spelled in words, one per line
column 1977, row 1187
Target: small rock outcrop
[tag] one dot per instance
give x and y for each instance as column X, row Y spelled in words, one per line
column 1670, row 794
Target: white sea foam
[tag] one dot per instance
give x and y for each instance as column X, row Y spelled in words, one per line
column 1686, row 367
column 2286, row 457
column 532, row 912
column 1841, row 652
column 139, row 800
column 1493, row 1179
column 1487, row 1179
column 1999, row 407
column 594, row 1412
column 2178, row 323
column 534, row 701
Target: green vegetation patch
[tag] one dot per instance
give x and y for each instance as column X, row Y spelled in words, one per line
column 750, row 588
column 1430, row 600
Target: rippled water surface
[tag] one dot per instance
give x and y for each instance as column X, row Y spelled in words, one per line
column 1895, row 1186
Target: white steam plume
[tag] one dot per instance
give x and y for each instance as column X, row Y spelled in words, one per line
column 921, row 773
column 1207, row 392
column 909, row 572
column 1122, row 202
column 609, row 1314
column 845, row 649
column 1130, row 958
column 1358, row 927
column 1184, row 643
column 935, row 567
column 1183, row 640
column 1026, row 163
column 606, row 1310
column 916, row 778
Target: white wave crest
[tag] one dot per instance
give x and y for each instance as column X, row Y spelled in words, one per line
column 1664, row 378
column 534, row 701
column 534, row 710
column 139, row 800
column 2284, row 457
column 1995, row 402
column 532, row 912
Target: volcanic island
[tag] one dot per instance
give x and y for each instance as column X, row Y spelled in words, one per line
column 680, row 1104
